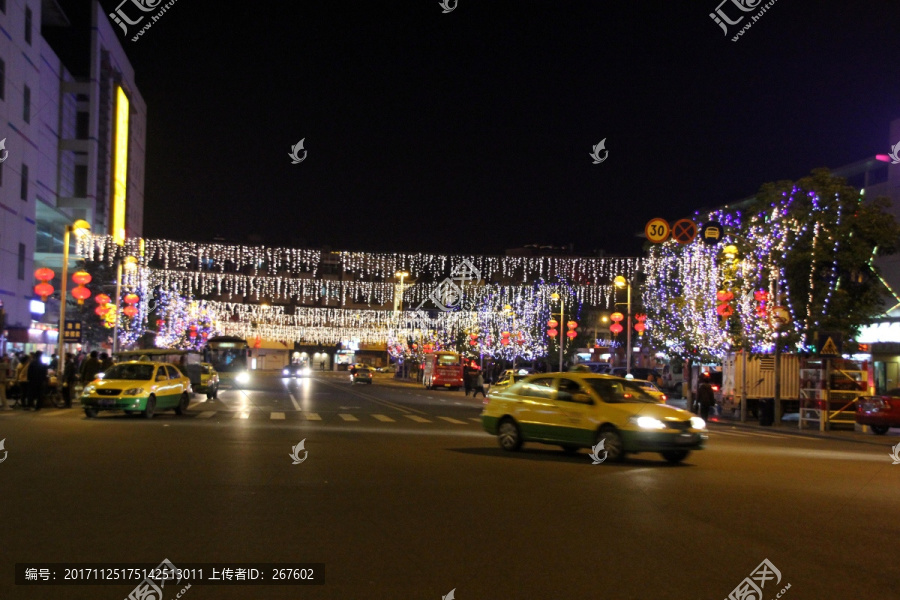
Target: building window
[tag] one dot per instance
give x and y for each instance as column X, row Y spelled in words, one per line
column 26, row 104
column 3, row 6
column 24, row 191
column 2, row 80
column 21, row 262
column 82, row 125
column 27, row 25
column 81, row 180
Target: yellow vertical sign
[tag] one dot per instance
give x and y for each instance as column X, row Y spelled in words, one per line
column 120, row 168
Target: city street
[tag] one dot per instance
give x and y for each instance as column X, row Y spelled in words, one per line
column 403, row 495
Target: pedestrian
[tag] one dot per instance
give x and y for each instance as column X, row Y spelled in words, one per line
column 651, row 378
column 89, row 368
column 322, row 365
column 479, row 385
column 70, row 377
column 22, row 379
column 106, row 362
column 54, row 362
column 4, row 379
column 705, row 398
column 467, row 379
column 37, row 380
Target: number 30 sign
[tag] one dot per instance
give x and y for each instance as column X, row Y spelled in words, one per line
column 657, row 230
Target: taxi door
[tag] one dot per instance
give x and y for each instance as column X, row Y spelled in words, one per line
column 574, row 408
column 161, row 385
column 536, row 413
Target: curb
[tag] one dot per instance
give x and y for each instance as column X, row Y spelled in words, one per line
column 880, row 440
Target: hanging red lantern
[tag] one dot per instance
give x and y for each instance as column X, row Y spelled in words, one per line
column 205, row 334
column 640, row 327
column 415, row 346
column 571, row 334
column 473, row 342
column 725, row 310
column 473, row 336
column 616, row 317
column 82, row 278
column 81, row 294
column 505, row 341
column 102, row 299
column 192, row 331
column 761, row 296
column 132, row 298
column 101, row 311
column 724, row 296
column 552, row 323
column 505, row 334
column 640, row 317
column 572, row 324
column 552, row 333
column 43, row 290
column 616, row 328
column 520, row 339
column 44, row 274
column 257, row 343
column 129, row 311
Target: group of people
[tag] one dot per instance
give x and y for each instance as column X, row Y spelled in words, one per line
column 26, row 378
column 473, row 380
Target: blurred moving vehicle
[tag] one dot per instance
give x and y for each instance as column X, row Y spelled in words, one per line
column 636, row 372
column 507, row 378
column 296, row 370
column 229, row 356
column 204, row 379
column 361, row 374
column 391, row 368
column 879, row 412
column 138, row 386
column 442, row 369
column 597, row 367
column 651, row 389
column 581, row 410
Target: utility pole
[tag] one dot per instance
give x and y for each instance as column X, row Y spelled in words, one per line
column 777, row 400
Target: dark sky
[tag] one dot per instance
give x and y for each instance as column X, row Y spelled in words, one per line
column 471, row 131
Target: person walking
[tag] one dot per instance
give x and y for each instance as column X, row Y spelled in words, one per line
column 4, row 379
column 37, row 380
column 467, row 379
column 89, row 368
column 106, row 362
column 705, row 398
column 22, row 379
column 70, row 377
column 479, row 386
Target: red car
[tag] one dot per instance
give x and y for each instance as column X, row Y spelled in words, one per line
column 879, row 412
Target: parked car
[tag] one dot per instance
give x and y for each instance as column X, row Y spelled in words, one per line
column 204, row 379
column 879, row 412
column 138, row 386
column 296, row 370
column 636, row 372
column 361, row 374
column 580, row 410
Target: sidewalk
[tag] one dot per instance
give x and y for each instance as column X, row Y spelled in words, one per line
column 790, row 427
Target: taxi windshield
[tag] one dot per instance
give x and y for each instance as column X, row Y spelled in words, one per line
column 619, row 392
column 126, row 371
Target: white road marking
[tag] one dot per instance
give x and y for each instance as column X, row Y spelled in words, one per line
column 277, row 416
column 293, row 400
column 207, row 414
column 52, row 413
column 417, row 418
column 242, row 414
column 347, row 417
column 384, row 418
column 312, row 416
column 476, row 419
column 454, row 421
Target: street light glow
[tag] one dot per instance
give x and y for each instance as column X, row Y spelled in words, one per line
column 620, row 282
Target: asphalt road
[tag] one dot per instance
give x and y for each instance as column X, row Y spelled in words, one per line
column 402, row 495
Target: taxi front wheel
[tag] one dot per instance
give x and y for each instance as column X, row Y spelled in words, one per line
column 509, row 435
column 612, row 443
column 675, row 456
column 90, row 413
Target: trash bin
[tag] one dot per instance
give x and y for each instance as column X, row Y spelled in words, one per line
column 766, row 410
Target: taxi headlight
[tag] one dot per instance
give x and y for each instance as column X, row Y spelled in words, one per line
column 285, row 371
column 242, row 377
column 89, row 389
column 134, row 391
column 647, row 422
column 698, row 423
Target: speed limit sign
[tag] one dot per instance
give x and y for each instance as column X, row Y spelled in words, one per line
column 657, row 230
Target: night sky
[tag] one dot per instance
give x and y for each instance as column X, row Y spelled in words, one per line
column 471, row 131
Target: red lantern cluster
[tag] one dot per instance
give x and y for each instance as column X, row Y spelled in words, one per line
column 552, row 324
column 131, row 309
column 572, row 325
column 616, row 327
column 520, row 339
column 81, row 293
column 640, row 327
column 43, row 289
column 761, row 297
column 504, row 338
column 724, row 308
column 192, row 332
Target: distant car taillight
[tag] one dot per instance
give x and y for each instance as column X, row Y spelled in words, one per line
column 715, row 388
column 664, row 397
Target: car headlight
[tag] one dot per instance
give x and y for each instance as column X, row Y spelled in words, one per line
column 89, row 389
column 134, row 391
column 698, row 423
column 648, row 422
column 306, row 370
column 242, row 377
column 286, row 372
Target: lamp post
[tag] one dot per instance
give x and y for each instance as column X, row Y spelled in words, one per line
column 562, row 319
column 130, row 266
column 399, row 302
column 81, row 228
column 620, row 282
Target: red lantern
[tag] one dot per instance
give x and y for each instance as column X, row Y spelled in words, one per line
column 101, row 311
column 82, row 278
column 552, row 333
column 102, row 299
column 725, row 310
column 193, row 331
column 616, row 328
column 129, row 311
column 572, row 324
column 473, row 343
column 204, row 335
column 552, row 323
column 44, row 274
column 473, row 336
column 724, row 296
column 134, row 299
column 520, row 339
column 415, row 346
column 640, row 327
column 571, row 334
column 256, row 344
column 616, row 317
column 641, row 317
column 43, row 290
column 505, row 341
column 81, row 294
column 761, row 296
column 159, row 323
column 505, row 334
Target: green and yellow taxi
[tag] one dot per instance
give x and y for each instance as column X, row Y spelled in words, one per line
column 138, row 386
column 581, row 410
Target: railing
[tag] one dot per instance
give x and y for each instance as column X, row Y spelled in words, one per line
column 812, row 409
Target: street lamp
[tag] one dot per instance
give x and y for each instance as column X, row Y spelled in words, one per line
column 80, row 228
column 620, row 282
column 554, row 297
column 130, row 267
column 399, row 301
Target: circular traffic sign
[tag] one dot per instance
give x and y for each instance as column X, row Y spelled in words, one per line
column 711, row 233
column 684, row 231
column 657, row 230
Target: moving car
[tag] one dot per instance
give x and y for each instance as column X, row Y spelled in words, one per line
column 138, row 386
column 580, row 410
column 391, row 368
column 296, row 370
column 507, row 378
column 651, row 389
column 879, row 412
column 636, row 372
column 361, row 374
column 204, row 379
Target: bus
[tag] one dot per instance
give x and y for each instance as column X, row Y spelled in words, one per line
column 229, row 355
column 443, row 369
